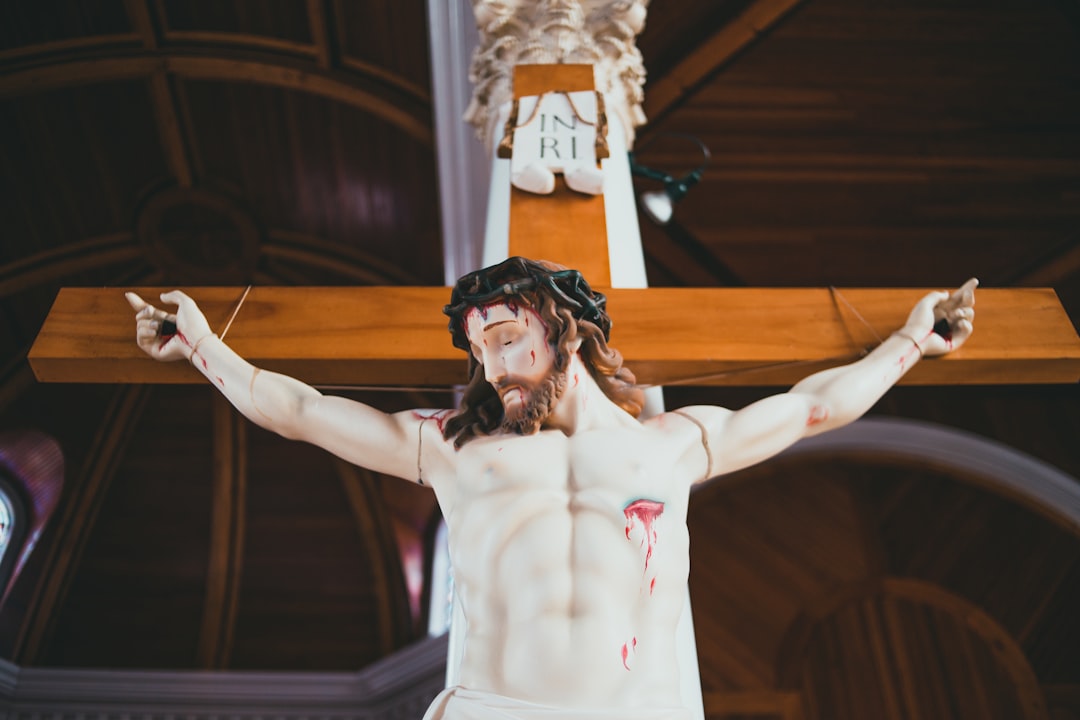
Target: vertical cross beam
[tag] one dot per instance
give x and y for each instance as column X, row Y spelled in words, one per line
column 564, row 227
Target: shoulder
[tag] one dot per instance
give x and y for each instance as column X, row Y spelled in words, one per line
column 435, row 455
column 688, row 431
column 692, row 419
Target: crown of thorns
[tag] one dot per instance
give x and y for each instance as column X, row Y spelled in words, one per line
column 516, row 277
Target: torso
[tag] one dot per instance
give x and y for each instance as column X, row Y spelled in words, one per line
column 570, row 556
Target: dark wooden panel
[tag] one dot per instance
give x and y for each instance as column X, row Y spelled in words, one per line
column 309, row 165
column 792, row 543
column 885, row 145
column 674, row 28
column 282, row 19
column 78, row 161
column 308, row 596
column 28, row 24
column 386, row 38
column 888, row 657
column 136, row 598
column 765, row 543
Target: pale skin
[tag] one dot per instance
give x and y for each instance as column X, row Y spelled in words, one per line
column 569, row 546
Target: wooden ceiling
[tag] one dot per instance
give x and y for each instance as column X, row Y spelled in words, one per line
column 899, row 143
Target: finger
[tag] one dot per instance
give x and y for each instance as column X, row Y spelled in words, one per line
column 136, row 302
column 965, row 294
column 961, row 332
column 935, row 299
column 174, row 297
column 146, row 333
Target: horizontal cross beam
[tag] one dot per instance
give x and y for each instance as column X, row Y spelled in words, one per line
column 396, row 336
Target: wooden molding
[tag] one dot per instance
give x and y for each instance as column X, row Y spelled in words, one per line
column 228, row 514
column 369, row 511
column 79, row 515
column 415, row 120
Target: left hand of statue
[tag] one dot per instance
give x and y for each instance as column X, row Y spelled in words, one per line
column 942, row 321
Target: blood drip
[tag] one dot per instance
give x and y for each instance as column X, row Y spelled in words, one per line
column 626, row 650
column 645, row 512
column 440, row 418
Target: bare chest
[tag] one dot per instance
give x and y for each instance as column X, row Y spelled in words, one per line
column 618, row 466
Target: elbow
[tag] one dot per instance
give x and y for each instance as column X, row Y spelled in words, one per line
column 290, row 417
column 824, row 416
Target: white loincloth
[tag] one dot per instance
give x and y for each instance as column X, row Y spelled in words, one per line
column 458, row 703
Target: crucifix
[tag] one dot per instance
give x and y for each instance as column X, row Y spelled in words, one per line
column 566, row 514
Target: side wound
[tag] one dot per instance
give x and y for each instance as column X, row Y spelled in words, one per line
column 644, row 512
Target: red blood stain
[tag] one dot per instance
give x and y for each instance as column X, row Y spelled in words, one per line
column 576, row 379
column 484, row 310
column 646, row 512
column 818, row 415
column 652, row 585
column 942, row 328
column 543, row 324
column 626, row 650
column 440, row 418
column 532, row 354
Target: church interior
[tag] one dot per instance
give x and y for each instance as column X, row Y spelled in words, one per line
column 924, row 566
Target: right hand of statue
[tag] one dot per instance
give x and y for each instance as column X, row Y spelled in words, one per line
column 191, row 326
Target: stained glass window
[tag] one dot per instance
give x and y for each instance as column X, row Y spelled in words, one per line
column 7, row 521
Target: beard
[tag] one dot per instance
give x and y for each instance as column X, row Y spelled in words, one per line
column 538, row 402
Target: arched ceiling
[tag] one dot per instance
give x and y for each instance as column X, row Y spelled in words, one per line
column 161, row 142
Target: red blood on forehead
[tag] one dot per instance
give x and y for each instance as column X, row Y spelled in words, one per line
column 484, row 309
column 482, row 312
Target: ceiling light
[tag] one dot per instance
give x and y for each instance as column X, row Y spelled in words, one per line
column 659, row 205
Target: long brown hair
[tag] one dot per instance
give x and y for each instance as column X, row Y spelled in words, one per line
column 569, row 308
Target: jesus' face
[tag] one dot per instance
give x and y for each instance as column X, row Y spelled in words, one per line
column 511, row 343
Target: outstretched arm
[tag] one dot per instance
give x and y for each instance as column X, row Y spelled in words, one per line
column 351, row 430
column 939, row 323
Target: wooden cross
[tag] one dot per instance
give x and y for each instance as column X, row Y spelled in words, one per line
column 396, row 336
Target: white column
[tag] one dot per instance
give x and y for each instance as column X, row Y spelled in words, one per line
column 463, row 166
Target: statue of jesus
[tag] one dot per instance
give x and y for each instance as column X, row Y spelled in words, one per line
column 566, row 514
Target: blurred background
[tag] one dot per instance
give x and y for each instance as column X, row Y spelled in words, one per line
column 928, row 568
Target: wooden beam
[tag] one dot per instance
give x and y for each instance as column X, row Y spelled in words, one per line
column 668, row 91
column 765, row 702
column 76, row 519
column 227, row 520
column 320, row 37
column 169, row 130
column 383, row 559
column 394, row 336
column 564, row 224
